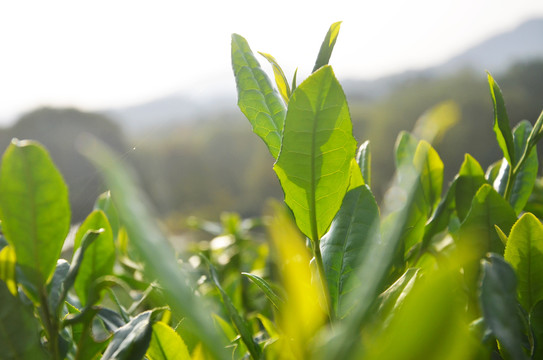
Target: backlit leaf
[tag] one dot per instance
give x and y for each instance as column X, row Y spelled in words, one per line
column 524, row 251
column 257, row 98
column 327, row 46
column 34, row 209
column 363, row 157
column 166, row 344
column 316, row 153
column 7, row 268
column 280, row 78
column 501, row 122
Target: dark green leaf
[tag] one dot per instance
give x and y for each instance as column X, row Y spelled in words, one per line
column 55, row 287
column 394, row 296
column 99, row 257
column 34, row 209
column 356, row 224
column 316, row 152
column 327, row 46
column 131, row 341
column 536, row 324
column 257, row 99
column 524, row 251
column 499, row 305
column 501, row 122
column 266, row 288
column 240, row 323
column 363, row 158
column 19, row 330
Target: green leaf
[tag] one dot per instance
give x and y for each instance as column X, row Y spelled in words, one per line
column 99, row 257
column 7, row 268
column 257, row 99
column 153, row 247
column 240, row 323
column 430, row 167
column 477, row 234
column 55, row 287
column 105, row 203
column 363, row 158
column 280, row 78
column 501, row 122
column 477, row 231
column 131, row 340
column 524, row 251
column 536, row 324
column 417, row 331
column 316, row 152
column 527, row 173
column 19, row 330
column 499, row 305
column 393, row 297
column 327, row 46
column 266, row 288
column 405, row 147
column 166, row 344
column 356, row 224
column 470, row 179
column 34, row 209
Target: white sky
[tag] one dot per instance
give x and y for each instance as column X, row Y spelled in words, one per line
column 107, row 53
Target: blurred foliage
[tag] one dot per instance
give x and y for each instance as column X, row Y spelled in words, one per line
column 60, row 130
column 208, row 164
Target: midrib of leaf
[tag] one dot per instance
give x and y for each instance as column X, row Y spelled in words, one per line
column 313, row 184
column 33, row 211
column 164, row 356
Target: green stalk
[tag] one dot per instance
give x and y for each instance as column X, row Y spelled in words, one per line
column 50, row 324
column 320, row 266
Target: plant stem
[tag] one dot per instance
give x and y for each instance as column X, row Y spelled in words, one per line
column 51, row 325
column 322, row 276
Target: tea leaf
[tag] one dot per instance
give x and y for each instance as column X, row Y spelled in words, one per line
column 131, row 340
column 266, row 288
column 166, row 344
column 34, row 209
column 257, row 99
column 280, row 78
column 327, row 46
column 499, row 305
column 356, row 224
column 363, row 158
column 524, row 251
column 501, row 122
column 99, row 257
column 316, row 153
column 19, row 330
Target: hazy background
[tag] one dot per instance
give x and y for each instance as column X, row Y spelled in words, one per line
column 154, row 80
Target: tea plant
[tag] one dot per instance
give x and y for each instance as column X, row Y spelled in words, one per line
column 435, row 272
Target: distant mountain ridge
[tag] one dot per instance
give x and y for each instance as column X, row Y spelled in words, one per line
column 495, row 54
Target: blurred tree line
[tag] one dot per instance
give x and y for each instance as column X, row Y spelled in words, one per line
column 213, row 164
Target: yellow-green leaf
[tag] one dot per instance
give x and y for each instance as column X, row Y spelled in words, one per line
column 280, row 78
column 166, row 344
column 524, row 251
column 318, row 146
